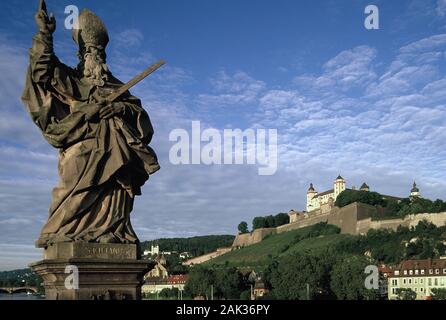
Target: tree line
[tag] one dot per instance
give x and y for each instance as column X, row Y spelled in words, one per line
column 196, row 246
column 392, row 208
column 271, row 221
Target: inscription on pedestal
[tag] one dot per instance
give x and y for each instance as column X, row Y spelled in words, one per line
column 91, row 251
column 108, row 251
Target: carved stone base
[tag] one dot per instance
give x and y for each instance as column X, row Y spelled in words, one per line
column 105, row 271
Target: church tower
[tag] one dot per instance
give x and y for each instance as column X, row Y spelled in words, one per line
column 310, row 195
column 338, row 187
column 415, row 192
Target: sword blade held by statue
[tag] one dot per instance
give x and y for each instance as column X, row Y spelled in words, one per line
column 115, row 95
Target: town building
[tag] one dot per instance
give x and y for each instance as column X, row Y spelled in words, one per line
column 158, row 278
column 154, row 285
column 421, row 276
column 154, row 251
column 185, row 255
column 385, row 272
column 259, row 290
column 159, row 270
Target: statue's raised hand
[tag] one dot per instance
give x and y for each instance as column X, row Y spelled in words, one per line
column 45, row 23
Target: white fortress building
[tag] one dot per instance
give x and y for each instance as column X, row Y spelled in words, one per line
column 316, row 200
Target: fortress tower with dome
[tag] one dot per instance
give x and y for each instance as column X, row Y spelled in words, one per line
column 316, row 200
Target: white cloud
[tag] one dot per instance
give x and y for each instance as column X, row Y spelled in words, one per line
column 129, row 38
column 441, row 7
column 327, row 125
column 350, row 69
column 236, row 89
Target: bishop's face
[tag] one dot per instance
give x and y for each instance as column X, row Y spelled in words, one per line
column 93, row 66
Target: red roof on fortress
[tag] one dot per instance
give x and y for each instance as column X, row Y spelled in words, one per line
column 177, row 279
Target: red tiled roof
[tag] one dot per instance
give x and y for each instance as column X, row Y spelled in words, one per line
column 385, row 269
column 177, row 279
column 423, row 264
column 426, row 265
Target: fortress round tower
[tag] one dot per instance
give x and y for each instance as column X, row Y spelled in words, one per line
column 311, row 194
column 339, row 186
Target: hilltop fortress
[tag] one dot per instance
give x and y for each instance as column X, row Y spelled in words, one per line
column 355, row 218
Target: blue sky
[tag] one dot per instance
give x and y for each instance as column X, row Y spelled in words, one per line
column 369, row 104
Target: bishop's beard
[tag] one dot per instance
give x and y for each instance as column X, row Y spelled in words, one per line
column 93, row 67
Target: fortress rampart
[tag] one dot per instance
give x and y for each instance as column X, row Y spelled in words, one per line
column 352, row 219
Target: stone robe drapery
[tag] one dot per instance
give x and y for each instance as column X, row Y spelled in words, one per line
column 103, row 163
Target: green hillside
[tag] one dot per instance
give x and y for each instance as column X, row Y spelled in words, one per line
column 275, row 246
column 384, row 245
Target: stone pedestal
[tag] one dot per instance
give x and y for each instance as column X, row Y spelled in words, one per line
column 90, row 271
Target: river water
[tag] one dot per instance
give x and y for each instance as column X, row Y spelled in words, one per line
column 19, row 296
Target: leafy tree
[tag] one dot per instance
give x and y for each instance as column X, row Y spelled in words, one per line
column 168, row 293
column 200, row 281
column 440, row 249
column 406, row 294
column 425, row 228
column 175, row 265
column 228, row 283
column 414, row 249
column 281, row 219
column 350, row 196
column 196, row 246
column 438, row 294
column 259, row 223
column 270, row 222
column 438, row 206
column 348, row 279
column 392, row 208
column 322, row 229
column 293, row 273
column 243, row 227
column 245, row 295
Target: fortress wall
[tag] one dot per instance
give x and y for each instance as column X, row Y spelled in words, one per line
column 207, row 257
column 438, row 219
column 303, row 222
column 347, row 218
column 365, row 225
column 247, row 239
column 352, row 219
